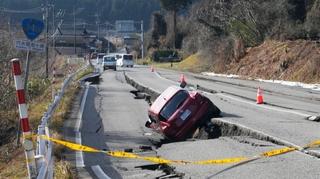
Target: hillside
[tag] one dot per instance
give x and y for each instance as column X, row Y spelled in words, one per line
column 297, row 60
column 256, row 38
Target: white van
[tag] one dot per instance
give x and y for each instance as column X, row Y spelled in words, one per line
column 109, row 62
column 124, row 60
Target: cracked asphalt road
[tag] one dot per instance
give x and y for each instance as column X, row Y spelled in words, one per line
column 114, row 120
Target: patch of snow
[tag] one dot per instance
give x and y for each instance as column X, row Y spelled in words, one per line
column 315, row 87
column 293, row 83
column 220, row 75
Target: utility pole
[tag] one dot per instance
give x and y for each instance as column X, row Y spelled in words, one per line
column 108, row 43
column 74, row 29
column 53, row 31
column 9, row 26
column 142, row 46
column 108, row 36
column 46, row 36
column 98, row 25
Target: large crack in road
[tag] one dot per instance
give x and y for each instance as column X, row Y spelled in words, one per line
column 218, row 127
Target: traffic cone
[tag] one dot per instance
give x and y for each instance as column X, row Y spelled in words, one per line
column 152, row 68
column 182, row 80
column 259, row 96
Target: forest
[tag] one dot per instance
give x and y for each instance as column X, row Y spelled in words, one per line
column 90, row 11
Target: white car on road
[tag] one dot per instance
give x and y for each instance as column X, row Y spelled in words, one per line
column 124, row 60
column 109, row 62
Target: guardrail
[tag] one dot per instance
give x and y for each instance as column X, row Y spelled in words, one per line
column 44, row 159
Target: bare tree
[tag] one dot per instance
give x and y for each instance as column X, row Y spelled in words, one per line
column 174, row 6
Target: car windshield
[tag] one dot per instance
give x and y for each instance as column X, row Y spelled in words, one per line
column 127, row 57
column 175, row 102
column 108, row 59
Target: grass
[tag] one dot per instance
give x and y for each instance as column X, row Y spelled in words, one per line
column 63, row 170
column 14, row 166
column 84, row 73
column 192, row 63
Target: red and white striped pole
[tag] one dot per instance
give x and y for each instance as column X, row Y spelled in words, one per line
column 24, row 121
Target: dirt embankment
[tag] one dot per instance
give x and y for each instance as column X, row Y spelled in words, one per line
column 289, row 60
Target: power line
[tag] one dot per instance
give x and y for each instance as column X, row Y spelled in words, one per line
column 28, row 11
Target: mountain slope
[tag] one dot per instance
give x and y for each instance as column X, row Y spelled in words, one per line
column 297, row 60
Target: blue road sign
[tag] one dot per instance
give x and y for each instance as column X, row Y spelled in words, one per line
column 32, row 28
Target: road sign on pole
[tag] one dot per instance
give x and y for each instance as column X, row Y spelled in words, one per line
column 32, row 28
column 23, row 44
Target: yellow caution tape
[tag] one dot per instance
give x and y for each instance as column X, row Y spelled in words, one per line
column 71, row 145
column 121, row 154
column 159, row 160
column 221, row 161
column 275, row 152
column 313, row 144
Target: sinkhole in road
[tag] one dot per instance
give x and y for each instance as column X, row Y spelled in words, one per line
column 213, row 128
column 169, row 171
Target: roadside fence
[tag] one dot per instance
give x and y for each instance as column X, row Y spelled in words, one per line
column 44, row 158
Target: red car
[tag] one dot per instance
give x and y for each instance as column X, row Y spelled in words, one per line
column 177, row 112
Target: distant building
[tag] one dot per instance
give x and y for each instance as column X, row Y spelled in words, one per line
column 125, row 26
column 131, row 39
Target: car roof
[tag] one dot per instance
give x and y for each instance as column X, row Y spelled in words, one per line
column 109, row 56
column 164, row 97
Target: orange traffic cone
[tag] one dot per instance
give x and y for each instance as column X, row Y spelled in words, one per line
column 259, row 96
column 152, row 68
column 182, row 81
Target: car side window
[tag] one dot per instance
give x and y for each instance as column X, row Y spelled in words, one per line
column 175, row 102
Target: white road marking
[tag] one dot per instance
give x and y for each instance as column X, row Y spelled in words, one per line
column 158, row 75
column 79, row 154
column 99, row 172
column 83, row 102
column 264, row 106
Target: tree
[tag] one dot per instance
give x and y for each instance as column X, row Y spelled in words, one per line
column 174, row 6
